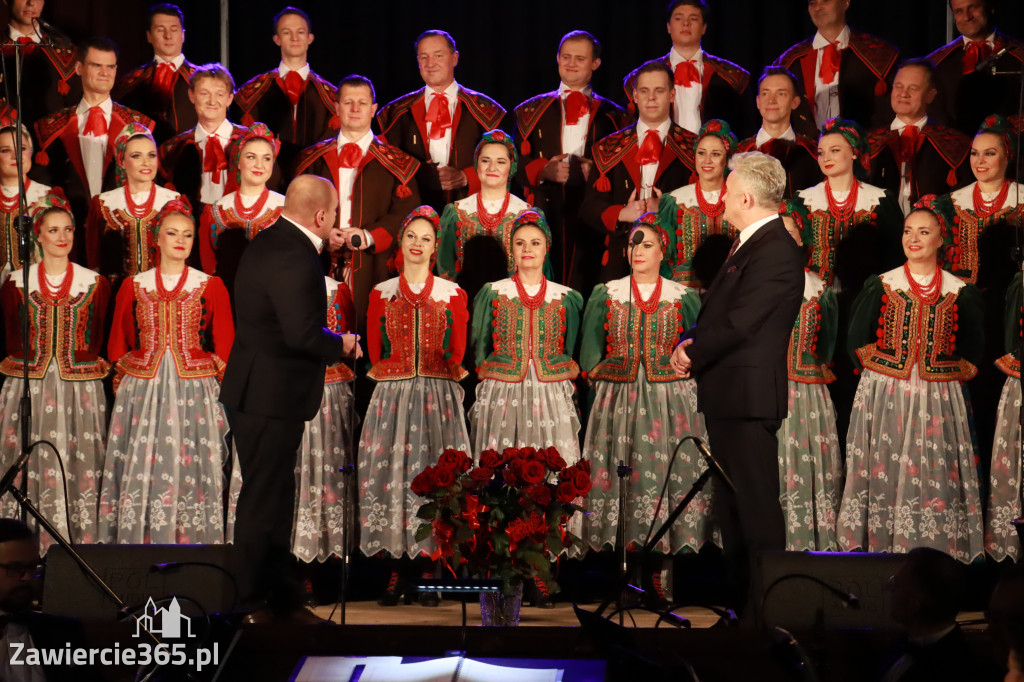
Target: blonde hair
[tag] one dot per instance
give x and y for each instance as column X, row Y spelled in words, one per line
column 762, row 175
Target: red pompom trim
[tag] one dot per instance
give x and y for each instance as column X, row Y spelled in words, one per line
column 603, row 184
column 403, row 192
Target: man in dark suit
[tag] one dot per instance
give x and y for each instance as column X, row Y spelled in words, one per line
column 274, row 383
column 556, row 133
column 737, row 352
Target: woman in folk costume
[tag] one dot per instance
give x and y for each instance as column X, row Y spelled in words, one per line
column 910, row 474
column 1005, row 485
column 119, row 230
column 490, row 212
column 695, row 212
column 226, row 226
column 641, row 409
column 9, row 204
column 416, row 338
column 66, row 306
column 164, row 482
column 319, row 499
column 810, row 459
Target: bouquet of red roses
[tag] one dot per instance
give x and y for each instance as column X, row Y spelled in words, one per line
column 506, row 518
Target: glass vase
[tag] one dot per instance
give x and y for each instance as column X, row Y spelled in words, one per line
column 498, row 609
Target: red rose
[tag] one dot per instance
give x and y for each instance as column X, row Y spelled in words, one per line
column 539, row 494
column 512, row 472
column 528, row 452
column 456, row 460
column 445, row 477
column 509, row 455
column 425, row 482
column 554, row 460
column 490, row 459
column 533, row 471
column 498, row 135
column 584, row 464
column 481, row 475
column 580, row 481
column 565, row 493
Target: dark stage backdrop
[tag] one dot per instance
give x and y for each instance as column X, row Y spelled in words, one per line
column 507, row 49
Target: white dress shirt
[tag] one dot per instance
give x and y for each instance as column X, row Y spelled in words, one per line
column 826, row 95
column 649, row 171
column 347, row 179
column 15, row 34
column 687, row 102
column 94, row 147
column 763, row 137
column 747, row 232
column 441, row 148
column 574, row 137
column 904, row 193
column 176, row 62
column 317, row 242
column 209, row 192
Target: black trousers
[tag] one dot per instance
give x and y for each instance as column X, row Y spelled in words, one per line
column 267, row 450
column 751, row 520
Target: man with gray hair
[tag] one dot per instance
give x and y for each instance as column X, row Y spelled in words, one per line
column 737, row 352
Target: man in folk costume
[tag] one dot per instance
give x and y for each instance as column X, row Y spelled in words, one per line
column 706, row 86
column 295, row 102
column 376, row 189
column 441, row 124
column 76, row 144
column 556, row 144
column 913, row 156
column 633, row 166
column 840, row 72
column 49, row 63
column 777, row 99
column 160, row 88
column 966, row 96
column 195, row 162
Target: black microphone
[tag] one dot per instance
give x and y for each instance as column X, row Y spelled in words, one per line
column 638, row 237
column 356, row 241
column 713, row 463
column 985, row 63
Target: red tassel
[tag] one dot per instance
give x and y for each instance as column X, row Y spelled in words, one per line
column 247, row 119
column 62, row 87
column 603, row 184
column 403, row 192
column 335, row 122
column 42, row 158
column 525, row 147
column 951, row 177
column 881, row 87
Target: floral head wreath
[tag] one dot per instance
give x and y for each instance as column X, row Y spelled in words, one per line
column 179, row 205
column 396, row 262
column 502, row 138
column 52, row 199
column 854, row 135
column 651, row 220
column 800, row 215
column 257, row 131
column 130, row 130
column 531, row 216
column 718, row 128
column 1000, row 127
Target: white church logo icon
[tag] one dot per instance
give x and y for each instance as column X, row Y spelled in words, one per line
column 166, row 622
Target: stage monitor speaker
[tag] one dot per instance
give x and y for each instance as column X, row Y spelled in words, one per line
column 797, row 603
column 202, row 576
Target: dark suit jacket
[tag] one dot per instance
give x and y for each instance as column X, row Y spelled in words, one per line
column 865, row 74
column 963, row 101
column 742, row 332
column 402, row 123
column 181, row 167
column 282, row 345
column 939, row 166
column 173, row 115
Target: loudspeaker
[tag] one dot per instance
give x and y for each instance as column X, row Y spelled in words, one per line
column 201, row 576
column 785, row 597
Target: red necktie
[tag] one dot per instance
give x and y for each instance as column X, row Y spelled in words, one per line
column 163, row 80
column 438, row 116
column 214, row 160
column 908, row 143
column 294, row 84
column 96, row 124
column 735, row 245
column 350, row 155
column 25, row 40
column 975, row 52
column 829, row 63
column 687, row 74
column 650, row 149
column 576, row 107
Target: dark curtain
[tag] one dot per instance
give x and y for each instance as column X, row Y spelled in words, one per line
column 507, row 49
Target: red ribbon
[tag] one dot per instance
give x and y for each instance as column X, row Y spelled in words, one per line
column 438, row 116
column 214, row 160
column 350, row 155
column 576, row 107
column 294, row 84
column 829, row 63
column 975, row 52
column 96, row 124
column 908, row 143
column 163, row 79
column 650, row 150
column 686, row 74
